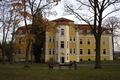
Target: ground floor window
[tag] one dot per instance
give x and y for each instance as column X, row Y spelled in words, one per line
column 49, row 51
column 19, row 51
column 104, row 51
column 81, row 51
column 89, row 51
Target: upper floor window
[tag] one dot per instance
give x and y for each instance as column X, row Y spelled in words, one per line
column 50, row 39
column 74, row 51
column 104, row 42
column 19, row 51
column 19, row 40
column 70, row 39
column 53, row 51
column 89, row 51
column 88, row 31
column 62, row 44
column 81, row 41
column 53, row 38
column 49, row 51
column 62, row 32
column 104, row 51
column 80, row 31
column 81, row 51
column 20, row 31
column 70, row 51
column 74, row 39
column 88, row 41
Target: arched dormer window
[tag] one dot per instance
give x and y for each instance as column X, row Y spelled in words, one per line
column 62, row 32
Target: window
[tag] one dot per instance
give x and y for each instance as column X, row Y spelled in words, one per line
column 53, row 51
column 19, row 51
column 74, row 51
column 70, row 39
column 50, row 39
column 88, row 31
column 53, row 38
column 70, row 51
column 57, row 44
column 67, row 44
column 89, row 52
column 74, row 39
column 67, row 57
column 104, row 42
column 62, row 44
column 80, row 31
column 19, row 40
column 20, row 31
column 104, row 51
column 62, row 32
column 81, row 51
column 81, row 41
column 103, row 32
column 49, row 51
column 88, row 41
column 96, row 31
column 27, row 41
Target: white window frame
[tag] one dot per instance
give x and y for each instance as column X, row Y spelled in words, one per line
column 19, row 51
column 49, row 51
column 53, row 39
column 20, row 31
column 73, row 39
column 81, row 50
column 50, row 39
column 88, row 51
column 80, row 32
column 70, row 51
column 88, row 41
column 62, row 32
column 53, row 51
column 80, row 41
column 104, row 41
column 62, row 43
column 104, row 50
column 74, row 51
column 19, row 40
column 70, row 39
column 88, row 31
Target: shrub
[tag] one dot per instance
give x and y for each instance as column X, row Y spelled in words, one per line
column 51, row 62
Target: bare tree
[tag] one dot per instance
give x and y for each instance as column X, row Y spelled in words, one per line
column 29, row 10
column 5, row 24
column 95, row 10
column 112, row 24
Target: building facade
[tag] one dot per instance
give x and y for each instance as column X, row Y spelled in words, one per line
column 75, row 42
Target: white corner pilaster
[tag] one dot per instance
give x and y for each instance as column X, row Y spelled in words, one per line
column 77, row 45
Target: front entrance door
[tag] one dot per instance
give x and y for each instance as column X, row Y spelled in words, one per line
column 62, row 60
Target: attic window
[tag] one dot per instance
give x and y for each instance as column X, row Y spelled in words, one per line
column 20, row 31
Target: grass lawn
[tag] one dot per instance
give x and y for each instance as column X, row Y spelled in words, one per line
column 35, row 73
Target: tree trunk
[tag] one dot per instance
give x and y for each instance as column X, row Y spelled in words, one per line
column 97, row 60
column 3, row 56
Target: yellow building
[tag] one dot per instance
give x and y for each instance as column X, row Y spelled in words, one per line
column 75, row 42
column 20, row 43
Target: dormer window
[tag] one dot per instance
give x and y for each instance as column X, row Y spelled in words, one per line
column 62, row 32
column 20, row 31
column 80, row 31
column 88, row 31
